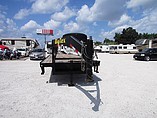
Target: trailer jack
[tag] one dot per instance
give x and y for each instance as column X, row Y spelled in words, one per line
column 71, row 81
column 71, row 75
column 42, row 69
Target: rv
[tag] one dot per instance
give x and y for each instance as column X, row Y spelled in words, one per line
column 18, row 43
column 102, row 48
column 122, row 49
column 146, row 43
column 97, row 48
column 105, row 48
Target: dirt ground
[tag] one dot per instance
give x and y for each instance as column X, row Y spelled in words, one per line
column 124, row 88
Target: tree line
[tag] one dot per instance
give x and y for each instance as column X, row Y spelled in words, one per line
column 128, row 36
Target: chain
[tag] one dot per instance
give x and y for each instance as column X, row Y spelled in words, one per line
column 82, row 60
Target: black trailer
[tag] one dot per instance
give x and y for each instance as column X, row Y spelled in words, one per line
column 63, row 63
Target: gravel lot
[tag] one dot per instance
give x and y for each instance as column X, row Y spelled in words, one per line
column 124, row 88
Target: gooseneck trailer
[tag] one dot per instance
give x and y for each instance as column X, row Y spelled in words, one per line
column 67, row 63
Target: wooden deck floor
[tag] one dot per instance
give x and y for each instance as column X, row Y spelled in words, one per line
column 48, row 59
column 66, row 56
column 60, row 57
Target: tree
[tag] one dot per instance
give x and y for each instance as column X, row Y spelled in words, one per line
column 106, row 41
column 109, row 42
column 97, row 43
column 117, row 37
column 128, row 36
column 148, row 36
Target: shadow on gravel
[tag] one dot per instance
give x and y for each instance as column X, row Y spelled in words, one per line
column 96, row 100
column 81, row 85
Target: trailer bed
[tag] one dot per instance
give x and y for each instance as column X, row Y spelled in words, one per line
column 64, row 63
column 60, row 58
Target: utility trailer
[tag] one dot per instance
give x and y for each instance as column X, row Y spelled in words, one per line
column 67, row 63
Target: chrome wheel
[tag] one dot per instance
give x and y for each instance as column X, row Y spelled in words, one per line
column 147, row 58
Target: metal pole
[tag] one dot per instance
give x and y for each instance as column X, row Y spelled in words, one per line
column 45, row 42
column 45, row 39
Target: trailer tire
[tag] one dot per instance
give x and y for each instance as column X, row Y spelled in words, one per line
column 1, row 58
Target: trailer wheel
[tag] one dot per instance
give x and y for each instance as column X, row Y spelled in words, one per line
column 1, row 58
column 147, row 58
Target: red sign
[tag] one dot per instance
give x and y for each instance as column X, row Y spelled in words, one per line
column 45, row 31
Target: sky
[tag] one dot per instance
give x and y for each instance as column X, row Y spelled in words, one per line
column 97, row 18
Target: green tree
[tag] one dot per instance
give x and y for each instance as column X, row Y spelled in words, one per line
column 148, row 36
column 97, row 43
column 106, row 41
column 109, row 42
column 117, row 37
column 128, row 36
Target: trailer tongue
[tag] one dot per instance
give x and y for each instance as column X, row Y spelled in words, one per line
column 67, row 63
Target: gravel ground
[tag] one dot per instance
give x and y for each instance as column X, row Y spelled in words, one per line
column 124, row 88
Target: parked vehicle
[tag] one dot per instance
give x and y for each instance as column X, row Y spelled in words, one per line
column 9, row 54
column 14, row 54
column 146, row 54
column 3, row 47
column 37, row 53
column 146, row 43
column 97, row 49
column 121, row 49
column 17, row 43
column 24, row 51
column 117, row 49
column 105, row 48
column 102, row 48
column 1, row 54
column 6, row 54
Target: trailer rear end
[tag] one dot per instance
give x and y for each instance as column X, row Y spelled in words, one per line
column 79, row 63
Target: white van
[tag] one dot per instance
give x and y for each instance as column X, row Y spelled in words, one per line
column 24, row 51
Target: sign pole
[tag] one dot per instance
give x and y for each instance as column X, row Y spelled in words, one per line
column 45, row 38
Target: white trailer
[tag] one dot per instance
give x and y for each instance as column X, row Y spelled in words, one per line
column 97, row 48
column 102, row 48
column 123, row 49
column 105, row 48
